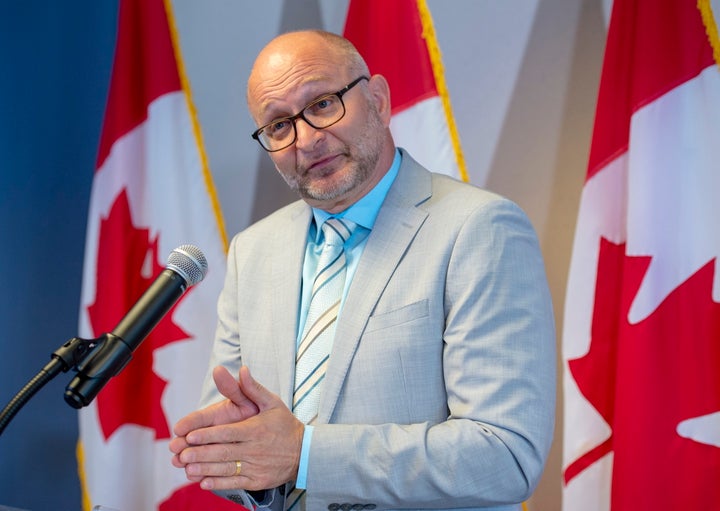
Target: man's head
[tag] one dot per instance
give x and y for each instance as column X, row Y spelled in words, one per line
column 333, row 167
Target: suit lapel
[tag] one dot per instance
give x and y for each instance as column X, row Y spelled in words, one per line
column 286, row 281
column 395, row 227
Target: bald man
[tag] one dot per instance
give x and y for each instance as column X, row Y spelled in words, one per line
column 437, row 387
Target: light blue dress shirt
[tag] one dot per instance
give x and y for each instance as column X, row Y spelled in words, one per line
column 363, row 213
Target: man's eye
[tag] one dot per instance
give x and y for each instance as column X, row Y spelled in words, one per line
column 322, row 106
column 277, row 128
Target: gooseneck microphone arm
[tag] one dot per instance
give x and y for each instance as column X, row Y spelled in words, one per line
column 98, row 360
column 67, row 356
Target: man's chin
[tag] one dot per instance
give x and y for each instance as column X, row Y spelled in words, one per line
column 327, row 188
column 315, row 185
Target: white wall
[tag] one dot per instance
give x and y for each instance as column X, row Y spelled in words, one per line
column 523, row 78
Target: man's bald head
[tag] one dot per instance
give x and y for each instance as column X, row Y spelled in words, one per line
column 285, row 52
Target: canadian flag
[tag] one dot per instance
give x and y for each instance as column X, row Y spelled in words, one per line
column 397, row 40
column 151, row 193
column 641, row 340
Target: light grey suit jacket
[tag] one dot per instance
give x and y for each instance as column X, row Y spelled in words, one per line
column 440, row 391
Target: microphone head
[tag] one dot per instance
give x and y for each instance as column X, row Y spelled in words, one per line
column 189, row 262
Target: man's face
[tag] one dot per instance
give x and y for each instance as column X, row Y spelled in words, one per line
column 330, row 168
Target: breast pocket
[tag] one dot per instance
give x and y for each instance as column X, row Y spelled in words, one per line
column 396, row 374
column 407, row 314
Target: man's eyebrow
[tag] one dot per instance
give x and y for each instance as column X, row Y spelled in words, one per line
column 316, row 91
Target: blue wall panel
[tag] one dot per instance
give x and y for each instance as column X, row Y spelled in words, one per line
column 55, row 64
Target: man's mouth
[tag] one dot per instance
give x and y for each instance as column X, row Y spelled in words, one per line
column 321, row 165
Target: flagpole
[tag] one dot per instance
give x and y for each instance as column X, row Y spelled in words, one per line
column 428, row 34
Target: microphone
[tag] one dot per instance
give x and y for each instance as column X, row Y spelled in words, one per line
column 186, row 267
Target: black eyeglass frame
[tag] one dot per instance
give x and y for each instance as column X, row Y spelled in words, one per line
column 301, row 115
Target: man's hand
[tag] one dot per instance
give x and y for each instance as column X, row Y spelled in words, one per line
column 252, row 426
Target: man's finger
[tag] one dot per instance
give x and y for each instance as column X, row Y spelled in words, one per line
column 197, row 419
column 263, row 398
column 228, row 387
column 177, row 444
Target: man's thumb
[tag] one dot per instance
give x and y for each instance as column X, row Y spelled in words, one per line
column 261, row 396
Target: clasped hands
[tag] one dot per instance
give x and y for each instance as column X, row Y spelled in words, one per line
column 251, row 426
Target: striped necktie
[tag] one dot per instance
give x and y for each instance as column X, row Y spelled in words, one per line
column 316, row 341
column 315, row 345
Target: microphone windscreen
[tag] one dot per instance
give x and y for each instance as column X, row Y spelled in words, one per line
column 189, row 262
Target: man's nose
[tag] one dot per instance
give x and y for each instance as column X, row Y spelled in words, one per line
column 307, row 136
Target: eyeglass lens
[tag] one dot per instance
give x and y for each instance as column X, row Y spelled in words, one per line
column 319, row 114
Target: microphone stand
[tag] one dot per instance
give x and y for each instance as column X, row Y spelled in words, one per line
column 112, row 351
column 68, row 356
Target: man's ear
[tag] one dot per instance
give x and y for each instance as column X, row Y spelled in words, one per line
column 380, row 91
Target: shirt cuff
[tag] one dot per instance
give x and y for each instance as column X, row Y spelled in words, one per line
column 301, row 481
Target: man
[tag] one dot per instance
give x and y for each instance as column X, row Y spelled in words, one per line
column 437, row 386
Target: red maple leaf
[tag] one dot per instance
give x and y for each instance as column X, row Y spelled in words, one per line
column 127, row 263
column 646, row 378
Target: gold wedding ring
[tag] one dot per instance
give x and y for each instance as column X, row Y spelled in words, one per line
column 238, row 467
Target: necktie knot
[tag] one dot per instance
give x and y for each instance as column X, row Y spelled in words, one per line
column 337, row 230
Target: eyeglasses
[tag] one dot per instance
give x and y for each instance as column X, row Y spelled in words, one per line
column 320, row 114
